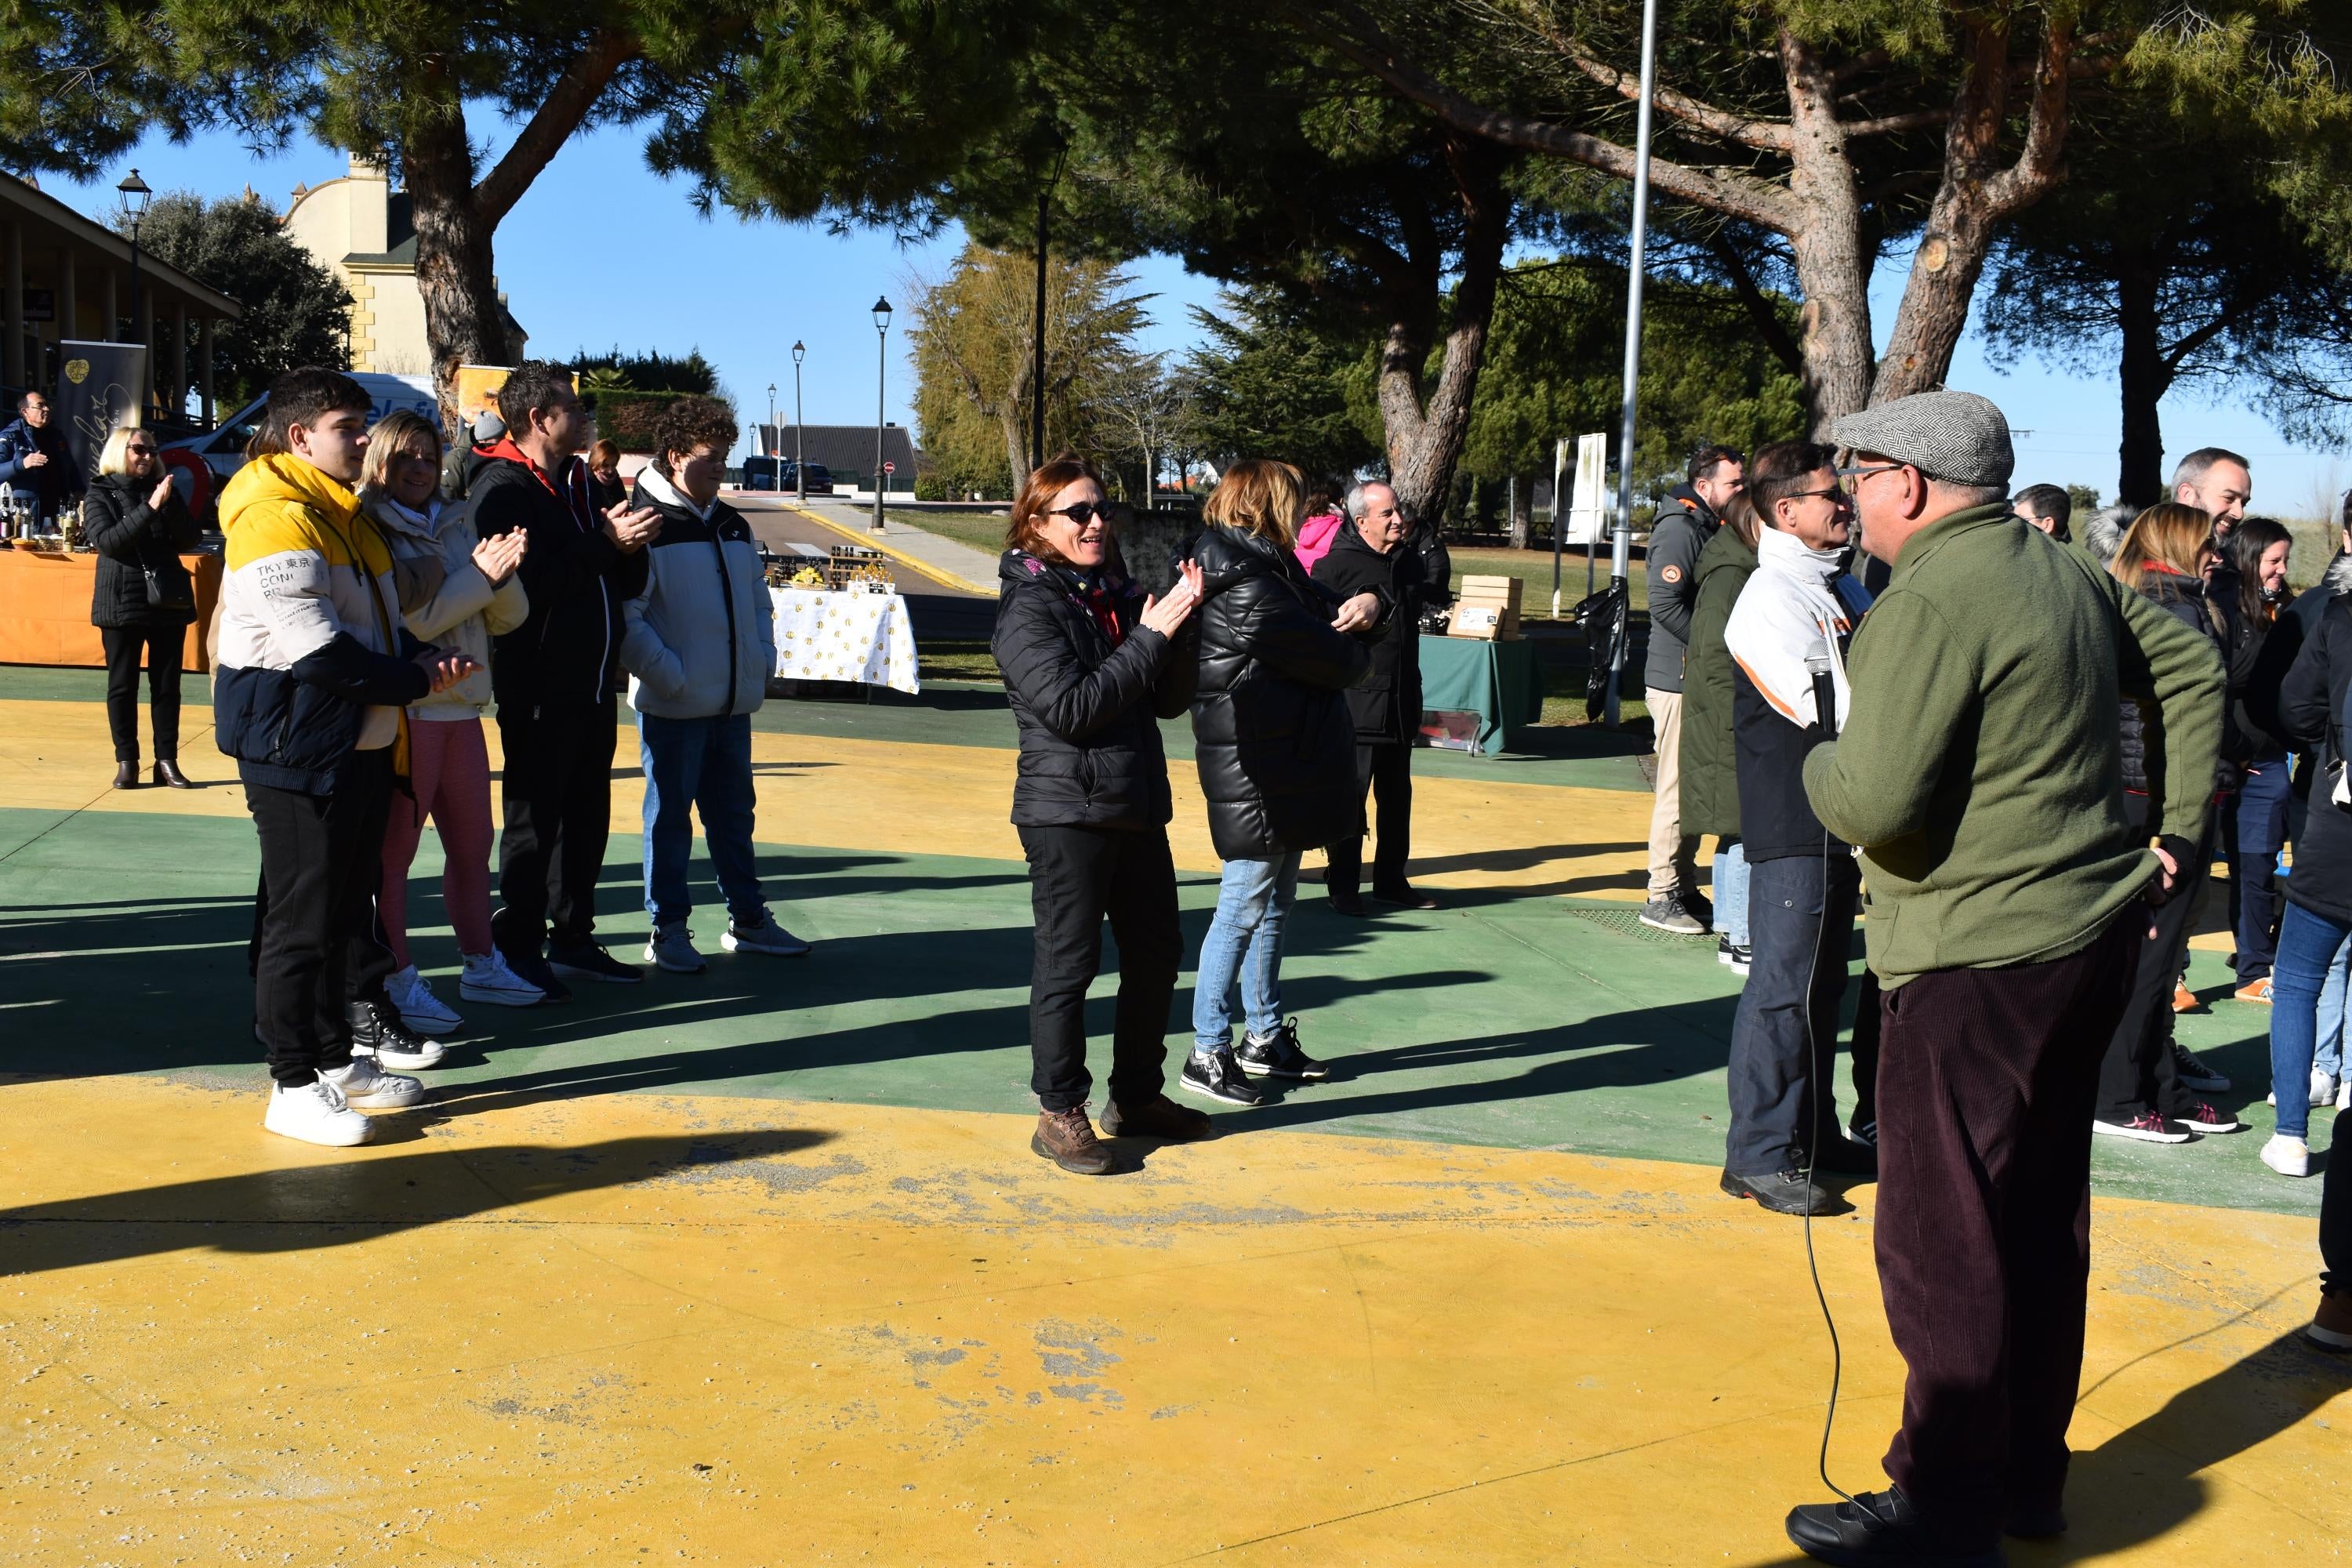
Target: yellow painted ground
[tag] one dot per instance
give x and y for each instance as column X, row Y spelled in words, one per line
column 919, row 799
column 732, row 1331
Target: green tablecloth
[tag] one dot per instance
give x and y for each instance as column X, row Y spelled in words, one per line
column 1499, row 681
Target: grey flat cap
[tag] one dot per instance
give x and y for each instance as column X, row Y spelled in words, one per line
column 1957, row 436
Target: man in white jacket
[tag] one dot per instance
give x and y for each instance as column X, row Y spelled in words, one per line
column 699, row 643
column 1793, row 620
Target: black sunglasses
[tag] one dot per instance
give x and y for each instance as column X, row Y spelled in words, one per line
column 1083, row 512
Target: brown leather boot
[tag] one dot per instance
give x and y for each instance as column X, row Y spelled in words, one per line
column 1158, row 1117
column 167, row 772
column 1067, row 1138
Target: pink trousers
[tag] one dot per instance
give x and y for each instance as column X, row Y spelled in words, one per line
column 449, row 768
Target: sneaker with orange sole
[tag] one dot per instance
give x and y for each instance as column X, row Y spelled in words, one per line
column 2184, row 1000
column 2254, row 991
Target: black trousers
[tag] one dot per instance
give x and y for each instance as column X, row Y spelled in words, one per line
column 1984, row 1221
column 2137, row 1075
column 315, row 938
column 1799, row 928
column 1076, row 876
column 1385, row 770
column 556, row 791
column 163, row 647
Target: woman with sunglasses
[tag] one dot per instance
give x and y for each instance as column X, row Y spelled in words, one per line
column 1092, row 666
column 143, row 597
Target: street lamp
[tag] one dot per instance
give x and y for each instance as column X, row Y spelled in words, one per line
column 881, row 372
column 134, row 195
column 800, row 467
column 770, row 442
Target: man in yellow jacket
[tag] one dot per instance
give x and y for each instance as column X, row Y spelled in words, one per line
column 312, row 672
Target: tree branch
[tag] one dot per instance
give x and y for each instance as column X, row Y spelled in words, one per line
column 1759, row 306
column 551, row 124
column 2039, row 166
column 1894, row 124
column 1765, row 135
column 1738, row 196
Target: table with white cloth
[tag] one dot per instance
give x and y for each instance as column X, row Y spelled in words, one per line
column 862, row 638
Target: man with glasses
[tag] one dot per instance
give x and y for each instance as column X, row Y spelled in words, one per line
column 1683, row 526
column 35, row 461
column 1980, row 771
column 1799, row 609
column 556, row 676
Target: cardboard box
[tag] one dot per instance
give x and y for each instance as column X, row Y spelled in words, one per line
column 1486, row 608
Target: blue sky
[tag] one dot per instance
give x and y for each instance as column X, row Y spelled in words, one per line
column 604, row 251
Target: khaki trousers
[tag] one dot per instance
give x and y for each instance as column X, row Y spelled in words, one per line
column 1674, row 855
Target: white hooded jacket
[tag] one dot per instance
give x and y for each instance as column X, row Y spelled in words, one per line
column 1797, row 598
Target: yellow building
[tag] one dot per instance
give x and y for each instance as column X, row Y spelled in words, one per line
column 360, row 228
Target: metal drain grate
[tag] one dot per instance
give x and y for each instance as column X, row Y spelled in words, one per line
column 1628, row 922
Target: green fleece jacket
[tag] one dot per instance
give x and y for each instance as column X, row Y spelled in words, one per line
column 1980, row 767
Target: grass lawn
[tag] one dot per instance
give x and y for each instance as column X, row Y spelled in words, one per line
column 976, row 528
column 1533, row 567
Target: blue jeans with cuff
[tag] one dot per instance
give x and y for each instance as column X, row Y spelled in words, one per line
column 702, row 766
column 1730, row 873
column 1245, row 941
column 2307, row 946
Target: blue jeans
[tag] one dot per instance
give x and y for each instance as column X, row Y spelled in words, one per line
column 2254, row 825
column 2307, row 947
column 700, row 764
column 1245, row 938
column 2334, row 1010
column 1731, row 889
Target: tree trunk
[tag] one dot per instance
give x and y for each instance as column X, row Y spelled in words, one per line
column 2145, row 376
column 464, row 322
column 1833, row 266
column 1425, row 438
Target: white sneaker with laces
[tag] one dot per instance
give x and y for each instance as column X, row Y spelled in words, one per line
column 671, row 947
column 2287, row 1156
column 488, row 979
column 2323, row 1086
column 316, row 1113
column 423, row 1012
column 767, row 937
column 367, row 1087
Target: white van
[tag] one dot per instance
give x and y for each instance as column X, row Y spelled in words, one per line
column 222, row 449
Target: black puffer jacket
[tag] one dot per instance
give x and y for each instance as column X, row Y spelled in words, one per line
column 1387, row 706
column 2311, row 710
column 1088, row 712
column 569, row 652
column 1272, row 734
column 2185, row 598
column 132, row 538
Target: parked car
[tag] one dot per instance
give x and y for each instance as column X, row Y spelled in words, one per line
column 220, row 451
column 784, row 474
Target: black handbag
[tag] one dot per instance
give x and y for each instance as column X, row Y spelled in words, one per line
column 167, row 593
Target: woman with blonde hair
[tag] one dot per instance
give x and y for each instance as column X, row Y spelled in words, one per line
column 458, row 591
column 142, row 598
column 2149, row 1087
column 1275, row 747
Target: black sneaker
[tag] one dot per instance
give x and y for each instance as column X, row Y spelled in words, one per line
column 536, row 970
column 1882, row 1527
column 377, row 1031
column 1783, row 1192
column 588, row 961
column 1218, row 1078
column 2194, row 1074
column 1278, row 1056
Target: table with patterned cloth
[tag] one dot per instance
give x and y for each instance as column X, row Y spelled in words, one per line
column 861, row 637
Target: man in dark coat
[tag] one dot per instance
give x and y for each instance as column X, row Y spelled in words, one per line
column 35, row 461
column 1369, row 554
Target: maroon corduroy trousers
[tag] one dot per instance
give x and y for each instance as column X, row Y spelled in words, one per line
column 1987, row 1081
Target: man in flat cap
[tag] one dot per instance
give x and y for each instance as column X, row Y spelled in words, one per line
column 2005, row 907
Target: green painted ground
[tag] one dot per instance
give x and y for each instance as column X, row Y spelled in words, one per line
column 1504, row 1019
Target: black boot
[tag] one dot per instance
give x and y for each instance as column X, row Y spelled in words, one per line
column 167, row 772
column 126, row 775
column 377, row 1031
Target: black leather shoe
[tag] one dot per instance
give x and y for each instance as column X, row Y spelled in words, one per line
column 167, row 772
column 1884, row 1530
column 1844, row 1157
column 1410, row 898
column 1785, row 1191
column 126, row 775
column 2036, row 1523
column 1158, row 1117
column 1348, row 902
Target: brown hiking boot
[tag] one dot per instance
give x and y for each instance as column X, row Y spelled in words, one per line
column 1067, row 1138
column 1158, row 1117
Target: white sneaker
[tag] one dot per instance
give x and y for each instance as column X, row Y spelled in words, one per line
column 2322, row 1088
column 672, row 947
column 367, row 1087
column 2287, row 1156
column 423, row 1012
column 488, row 979
column 767, row 937
column 2344, row 1093
column 316, row 1113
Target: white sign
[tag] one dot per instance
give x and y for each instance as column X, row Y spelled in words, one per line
column 1588, row 509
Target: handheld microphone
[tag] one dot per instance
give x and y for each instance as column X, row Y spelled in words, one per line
column 1817, row 665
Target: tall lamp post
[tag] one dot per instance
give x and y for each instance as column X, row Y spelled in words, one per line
column 776, row 479
column 800, row 465
column 881, row 371
column 1621, row 548
column 133, row 194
